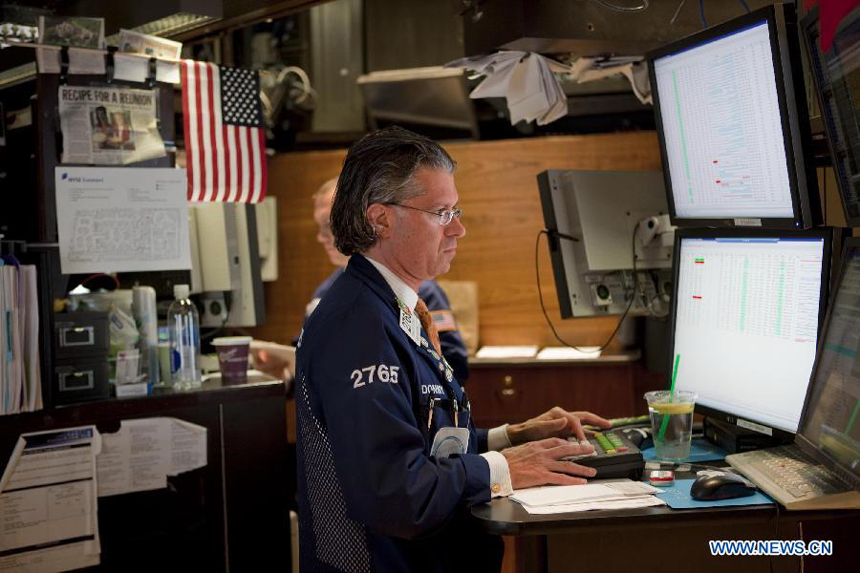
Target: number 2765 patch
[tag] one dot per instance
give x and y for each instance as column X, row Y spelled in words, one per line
column 375, row 373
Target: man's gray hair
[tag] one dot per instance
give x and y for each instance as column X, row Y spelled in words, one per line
column 380, row 168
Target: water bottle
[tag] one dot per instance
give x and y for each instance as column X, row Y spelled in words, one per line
column 183, row 328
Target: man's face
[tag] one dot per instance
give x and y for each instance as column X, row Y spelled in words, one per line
column 322, row 214
column 422, row 246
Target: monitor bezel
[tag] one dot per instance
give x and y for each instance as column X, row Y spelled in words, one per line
column 802, row 442
column 825, row 233
column 785, row 51
column 562, row 289
column 810, row 32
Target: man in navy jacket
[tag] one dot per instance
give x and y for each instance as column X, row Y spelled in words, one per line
column 388, row 458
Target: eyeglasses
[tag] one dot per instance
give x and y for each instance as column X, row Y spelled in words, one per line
column 445, row 215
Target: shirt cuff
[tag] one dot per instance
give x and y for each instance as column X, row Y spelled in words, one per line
column 500, row 474
column 497, row 439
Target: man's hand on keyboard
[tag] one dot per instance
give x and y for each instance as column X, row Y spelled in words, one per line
column 555, row 423
column 543, row 463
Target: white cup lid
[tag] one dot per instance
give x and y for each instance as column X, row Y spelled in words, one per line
column 231, row 340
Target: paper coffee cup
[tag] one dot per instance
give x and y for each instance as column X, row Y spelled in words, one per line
column 233, row 358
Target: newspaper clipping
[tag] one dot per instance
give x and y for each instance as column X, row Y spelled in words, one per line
column 137, row 43
column 109, row 126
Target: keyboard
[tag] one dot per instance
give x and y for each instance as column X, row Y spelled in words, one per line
column 787, row 475
column 614, row 456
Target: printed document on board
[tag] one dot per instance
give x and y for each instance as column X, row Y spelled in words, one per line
column 48, row 502
column 144, row 452
column 122, row 219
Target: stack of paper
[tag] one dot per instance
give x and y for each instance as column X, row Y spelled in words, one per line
column 506, row 352
column 567, row 353
column 601, row 494
column 20, row 374
column 48, row 495
column 525, row 80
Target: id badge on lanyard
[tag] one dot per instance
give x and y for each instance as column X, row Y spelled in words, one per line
column 451, row 441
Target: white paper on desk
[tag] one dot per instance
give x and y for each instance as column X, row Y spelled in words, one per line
column 141, row 455
column 506, row 352
column 627, row 503
column 48, row 499
column 122, row 219
column 567, row 353
column 596, row 491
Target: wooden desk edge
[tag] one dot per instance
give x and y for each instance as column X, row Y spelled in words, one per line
column 512, row 519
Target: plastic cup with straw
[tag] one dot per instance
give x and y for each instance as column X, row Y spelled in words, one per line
column 672, row 403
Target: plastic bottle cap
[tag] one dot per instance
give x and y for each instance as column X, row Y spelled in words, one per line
column 180, row 292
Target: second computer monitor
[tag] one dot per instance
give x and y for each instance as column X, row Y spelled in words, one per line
column 748, row 305
column 731, row 116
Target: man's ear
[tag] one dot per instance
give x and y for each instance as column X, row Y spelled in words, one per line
column 377, row 216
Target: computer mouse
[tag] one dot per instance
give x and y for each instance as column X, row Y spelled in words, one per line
column 723, row 486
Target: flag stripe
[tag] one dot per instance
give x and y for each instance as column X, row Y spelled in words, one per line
column 201, row 149
column 218, row 131
column 186, row 117
column 193, row 144
column 245, row 168
column 232, row 169
column 205, row 122
column 255, row 159
column 264, row 176
column 211, row 72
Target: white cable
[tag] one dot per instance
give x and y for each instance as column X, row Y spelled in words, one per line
column 307, row 90
column 617, row 8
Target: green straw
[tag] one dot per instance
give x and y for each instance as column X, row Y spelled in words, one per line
column 665, row 423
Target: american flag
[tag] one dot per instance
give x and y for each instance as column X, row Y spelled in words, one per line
column 225, row 152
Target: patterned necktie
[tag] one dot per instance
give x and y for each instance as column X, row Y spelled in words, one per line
column 428, row 325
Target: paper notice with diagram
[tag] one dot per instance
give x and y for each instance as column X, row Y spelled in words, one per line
column 143, row 453
column 48, row 502
column 122, row 219
column 109, row 126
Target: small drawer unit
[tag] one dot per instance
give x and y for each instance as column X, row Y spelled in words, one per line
column 80, row 380
column 81, row 344
column 80, row 334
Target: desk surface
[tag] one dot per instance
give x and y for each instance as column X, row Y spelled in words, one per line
column 506, row 517
column 212, row 392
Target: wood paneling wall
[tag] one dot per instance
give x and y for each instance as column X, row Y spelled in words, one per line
column 497, row 184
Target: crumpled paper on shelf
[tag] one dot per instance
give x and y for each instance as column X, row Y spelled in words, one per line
column 526, row 80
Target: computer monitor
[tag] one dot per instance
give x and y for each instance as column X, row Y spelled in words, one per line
column 748, row 304
column 599, row 212
column 836, row 74
column 830, row 425
column 733, row 126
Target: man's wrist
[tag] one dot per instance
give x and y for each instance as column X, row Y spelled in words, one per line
column 500, row 474
column 498, row 438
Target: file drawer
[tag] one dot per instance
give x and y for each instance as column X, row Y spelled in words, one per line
column 80, row 380
column 80, row 334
